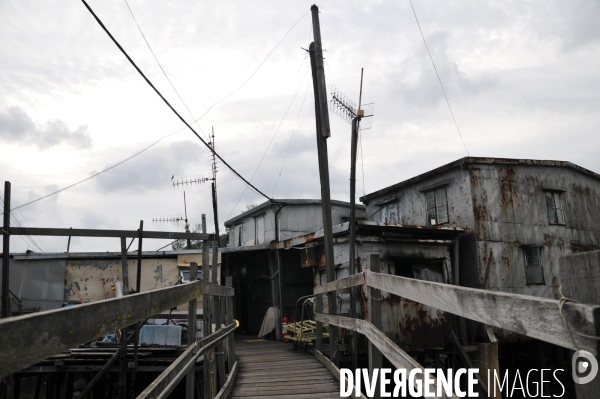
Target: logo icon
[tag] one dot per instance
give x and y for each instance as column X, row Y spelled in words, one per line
column 584, row 367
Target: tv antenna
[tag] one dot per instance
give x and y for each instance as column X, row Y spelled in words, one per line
column 347, row 110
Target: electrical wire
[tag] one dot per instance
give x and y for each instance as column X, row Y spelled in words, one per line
column 169, row 104
column 290, row 143
column 96, row 174
column 162, row 69
column 439, row 79
column 271, row 142
column 256, row 70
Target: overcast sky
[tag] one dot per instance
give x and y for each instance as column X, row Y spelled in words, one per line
column 523, row 80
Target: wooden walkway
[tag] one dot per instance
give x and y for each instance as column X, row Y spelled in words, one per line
column 272, row 369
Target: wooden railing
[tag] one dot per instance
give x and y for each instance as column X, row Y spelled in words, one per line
column 558, row 322
column 29, row 339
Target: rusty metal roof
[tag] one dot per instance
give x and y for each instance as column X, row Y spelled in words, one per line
column 484, row 160
column 373, row 228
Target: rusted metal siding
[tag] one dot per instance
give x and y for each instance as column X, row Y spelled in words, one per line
column 408, row 323
column 511, row 212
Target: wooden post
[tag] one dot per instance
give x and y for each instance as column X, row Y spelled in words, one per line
column 206, row 316
column 136, row 333
column 323, row 132
column 375, row 357
column 124, row 266
column 6, row 301
column 579, row 277
column 462, row 324
column 228, row 321
column 191, row 331
column 123, row 365
column 319, row 332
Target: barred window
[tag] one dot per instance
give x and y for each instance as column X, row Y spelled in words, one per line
column 555, row 208
column 533, row 265
column 437, row 207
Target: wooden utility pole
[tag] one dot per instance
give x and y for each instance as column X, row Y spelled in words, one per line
column 352, row 227
column 6, row 305
column 323, row 132
column 206, row 316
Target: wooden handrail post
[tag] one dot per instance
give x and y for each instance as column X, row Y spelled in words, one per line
column 191, row 334
column 228, row 321
column 375, row 357
column 319, row 333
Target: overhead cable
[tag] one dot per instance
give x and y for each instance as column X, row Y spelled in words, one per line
column 256, row 70
column 95, row 174
column 271, row 142
column 169, row 104
column 161, row 68
column 440, row 80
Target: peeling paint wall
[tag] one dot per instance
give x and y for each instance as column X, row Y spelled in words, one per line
column 87, row 276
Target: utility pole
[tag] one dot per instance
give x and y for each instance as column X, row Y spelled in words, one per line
column 323, row 132
column 352, row 260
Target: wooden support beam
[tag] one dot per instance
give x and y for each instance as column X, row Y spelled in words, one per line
column 67, row 327
column 229, row 320
column 228, row 386
column 166, row 382
column 207, row 321
column 482, row 386
column 388, row 348
column 534, row 317
column 88, row 388
column 341, row 284
column 40, row 231
column 191, row 334
column 124, row 267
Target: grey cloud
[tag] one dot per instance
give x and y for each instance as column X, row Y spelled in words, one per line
column 17, row 126
column 152, row 169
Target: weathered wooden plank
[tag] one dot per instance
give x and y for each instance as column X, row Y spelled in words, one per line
column 277, row 380
column 60, row 329
column 374, row 304
column 343, row 283
column 216, row 289
column 333, row 369
column 388, row 348
column 39, row 231
column 308, row 387
column 532, row 316
column 163, row 380
column 164, row 384
column 229, row 383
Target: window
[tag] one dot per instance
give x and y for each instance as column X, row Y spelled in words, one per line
column 389, row 213
column 259, row 224
column 533, row 265
column 237, row 235
column 437, row 207
column 555, row 209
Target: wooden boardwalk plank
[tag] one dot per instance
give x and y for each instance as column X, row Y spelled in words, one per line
column 272, row 369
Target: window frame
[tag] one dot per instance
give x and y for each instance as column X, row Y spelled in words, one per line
column 554, row 195
column 539, row 265
column 256, row 219
column 436, row 206
column 237, row 232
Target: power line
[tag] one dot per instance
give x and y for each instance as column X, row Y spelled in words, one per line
column 438, row 76
column 292, row 136
column 161, row 68
column 169, row 104
column 256, row 70
column 96, row 174
column 271, row 142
